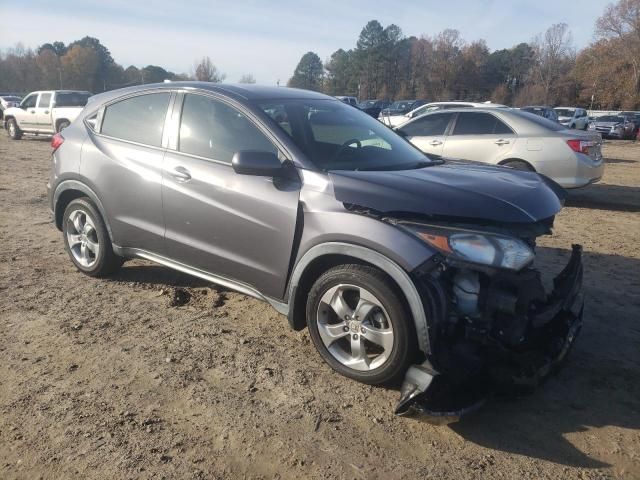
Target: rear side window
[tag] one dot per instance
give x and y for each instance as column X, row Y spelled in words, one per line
column 429, row 125
column 212, row 129
column 72, row 99
column 469, row 123
column 138, row 119
column 45, row 100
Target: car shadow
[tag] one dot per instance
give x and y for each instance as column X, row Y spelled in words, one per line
column 602, row 196
column 598, row 385
column 157, row 275
column 618, row 160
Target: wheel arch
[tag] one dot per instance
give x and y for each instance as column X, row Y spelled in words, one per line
column 515, row 159
column 320, row 258
column 69, row 190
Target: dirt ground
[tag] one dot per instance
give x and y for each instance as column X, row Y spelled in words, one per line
column 106, row 379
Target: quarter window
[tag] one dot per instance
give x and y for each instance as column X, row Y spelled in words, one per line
column 137, row 119
column 45, row 100
column 479, row 124
column 212, row 129
column 427, row 126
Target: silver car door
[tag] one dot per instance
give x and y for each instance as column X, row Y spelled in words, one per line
column 428, row 132
column 124, row 157
column 479, row 136
column 240, row 227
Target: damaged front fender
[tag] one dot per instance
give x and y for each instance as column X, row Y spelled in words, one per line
column 546, row 329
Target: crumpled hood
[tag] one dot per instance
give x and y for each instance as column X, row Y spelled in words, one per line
column 455, row 189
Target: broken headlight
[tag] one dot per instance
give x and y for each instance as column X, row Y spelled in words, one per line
column 483, row 248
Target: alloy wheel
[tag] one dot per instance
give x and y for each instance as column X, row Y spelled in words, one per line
column 82, row 238
column 354, row 327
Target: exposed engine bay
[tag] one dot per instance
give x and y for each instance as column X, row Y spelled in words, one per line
column 491, row 329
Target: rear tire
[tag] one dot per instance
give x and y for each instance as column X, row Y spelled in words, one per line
column 519, row 165
column 87, row 241
column 13, row 130
column 359, row 324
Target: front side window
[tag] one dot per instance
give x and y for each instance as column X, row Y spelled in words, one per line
column 212, row 129
column 45, row 100
column 428, row 126
column 469, row 123
column 137, row 119
column 335, row 136
column 30, row 101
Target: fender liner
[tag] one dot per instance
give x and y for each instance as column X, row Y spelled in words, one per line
column 67, row 185
column 399, row 275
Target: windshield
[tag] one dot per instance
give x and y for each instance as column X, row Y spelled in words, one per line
column 335, row 136
column 610, row 118
column 564, row 112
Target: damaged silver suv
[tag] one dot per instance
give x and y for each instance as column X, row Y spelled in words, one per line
column 402, row 267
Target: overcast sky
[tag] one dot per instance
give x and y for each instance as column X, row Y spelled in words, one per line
column 268, row 38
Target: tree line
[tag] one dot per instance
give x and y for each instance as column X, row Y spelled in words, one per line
column 87, row 64
column 386, row 64
column 547, row 70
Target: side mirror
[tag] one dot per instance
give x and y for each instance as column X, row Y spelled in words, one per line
column 251, row 162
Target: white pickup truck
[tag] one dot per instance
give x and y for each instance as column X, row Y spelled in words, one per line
column 44, row 112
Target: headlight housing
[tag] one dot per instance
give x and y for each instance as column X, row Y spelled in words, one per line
column 483, row 248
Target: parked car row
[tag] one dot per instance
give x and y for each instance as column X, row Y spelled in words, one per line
column 44, row 112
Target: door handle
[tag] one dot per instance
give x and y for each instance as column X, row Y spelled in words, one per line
column 435, row 143
column 181, row 174
column 502, row 142
column 32, row 111
column 46, row 111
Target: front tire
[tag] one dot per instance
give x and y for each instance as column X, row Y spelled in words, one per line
column 359, row 325
column 87, row 241
column 13, row 130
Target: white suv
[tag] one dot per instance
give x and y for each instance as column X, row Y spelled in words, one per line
column 572, row 117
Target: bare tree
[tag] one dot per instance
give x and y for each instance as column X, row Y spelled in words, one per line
column 247, row 78
column 554, row 56
column 621, row 22
column 206, row 71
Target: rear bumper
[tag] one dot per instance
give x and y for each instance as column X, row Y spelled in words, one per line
column 508, row 364
column 584, row 172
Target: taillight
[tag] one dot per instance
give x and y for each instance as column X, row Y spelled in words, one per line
column 580, row 146
column 56, row 141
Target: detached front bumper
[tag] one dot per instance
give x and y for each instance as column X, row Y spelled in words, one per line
column 516, row 355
